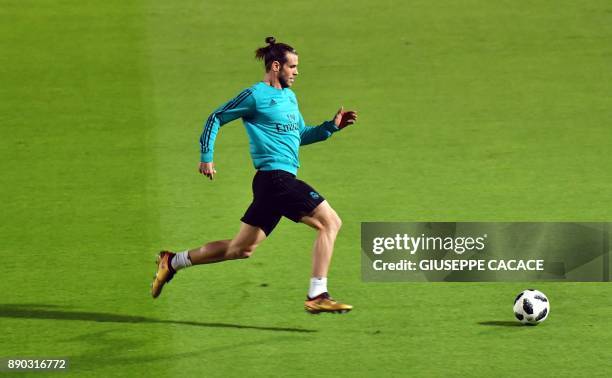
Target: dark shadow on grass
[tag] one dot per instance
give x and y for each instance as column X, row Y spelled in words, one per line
column 502, row 323
column 40, row 311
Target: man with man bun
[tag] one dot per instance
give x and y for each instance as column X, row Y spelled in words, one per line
column 276, row 129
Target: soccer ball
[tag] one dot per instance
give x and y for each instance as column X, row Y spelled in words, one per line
column 531, row 307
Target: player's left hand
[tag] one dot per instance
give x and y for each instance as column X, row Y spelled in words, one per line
column 345, row 118
column 208, row 170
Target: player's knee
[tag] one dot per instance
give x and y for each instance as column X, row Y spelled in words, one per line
column 247, row 252
column 331, row 223
column 336, row 223
column 241, row 252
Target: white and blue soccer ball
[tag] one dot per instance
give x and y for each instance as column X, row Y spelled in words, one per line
column 531, row 307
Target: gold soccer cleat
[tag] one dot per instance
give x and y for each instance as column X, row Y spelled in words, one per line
column 325, row 303
column 164, row 272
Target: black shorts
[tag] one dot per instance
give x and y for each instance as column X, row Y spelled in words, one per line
column 277, row 194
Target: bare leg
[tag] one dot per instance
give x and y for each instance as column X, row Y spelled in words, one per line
column 325, row 220
column 209, row 253
column 242, row 246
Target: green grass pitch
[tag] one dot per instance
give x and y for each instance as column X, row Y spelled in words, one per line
column 469, row 110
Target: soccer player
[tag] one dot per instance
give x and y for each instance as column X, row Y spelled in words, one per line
column 276, row 129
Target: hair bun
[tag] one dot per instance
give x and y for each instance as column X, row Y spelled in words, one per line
column 270, row 40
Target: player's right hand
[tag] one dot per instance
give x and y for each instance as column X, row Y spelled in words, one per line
column 345, row 118
column 208, row 170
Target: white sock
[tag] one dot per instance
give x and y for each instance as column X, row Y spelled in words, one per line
column 318, row 285
column 181, row 260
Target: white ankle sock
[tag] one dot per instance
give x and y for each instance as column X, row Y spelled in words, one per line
column 318, row 285
column 181, row 260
